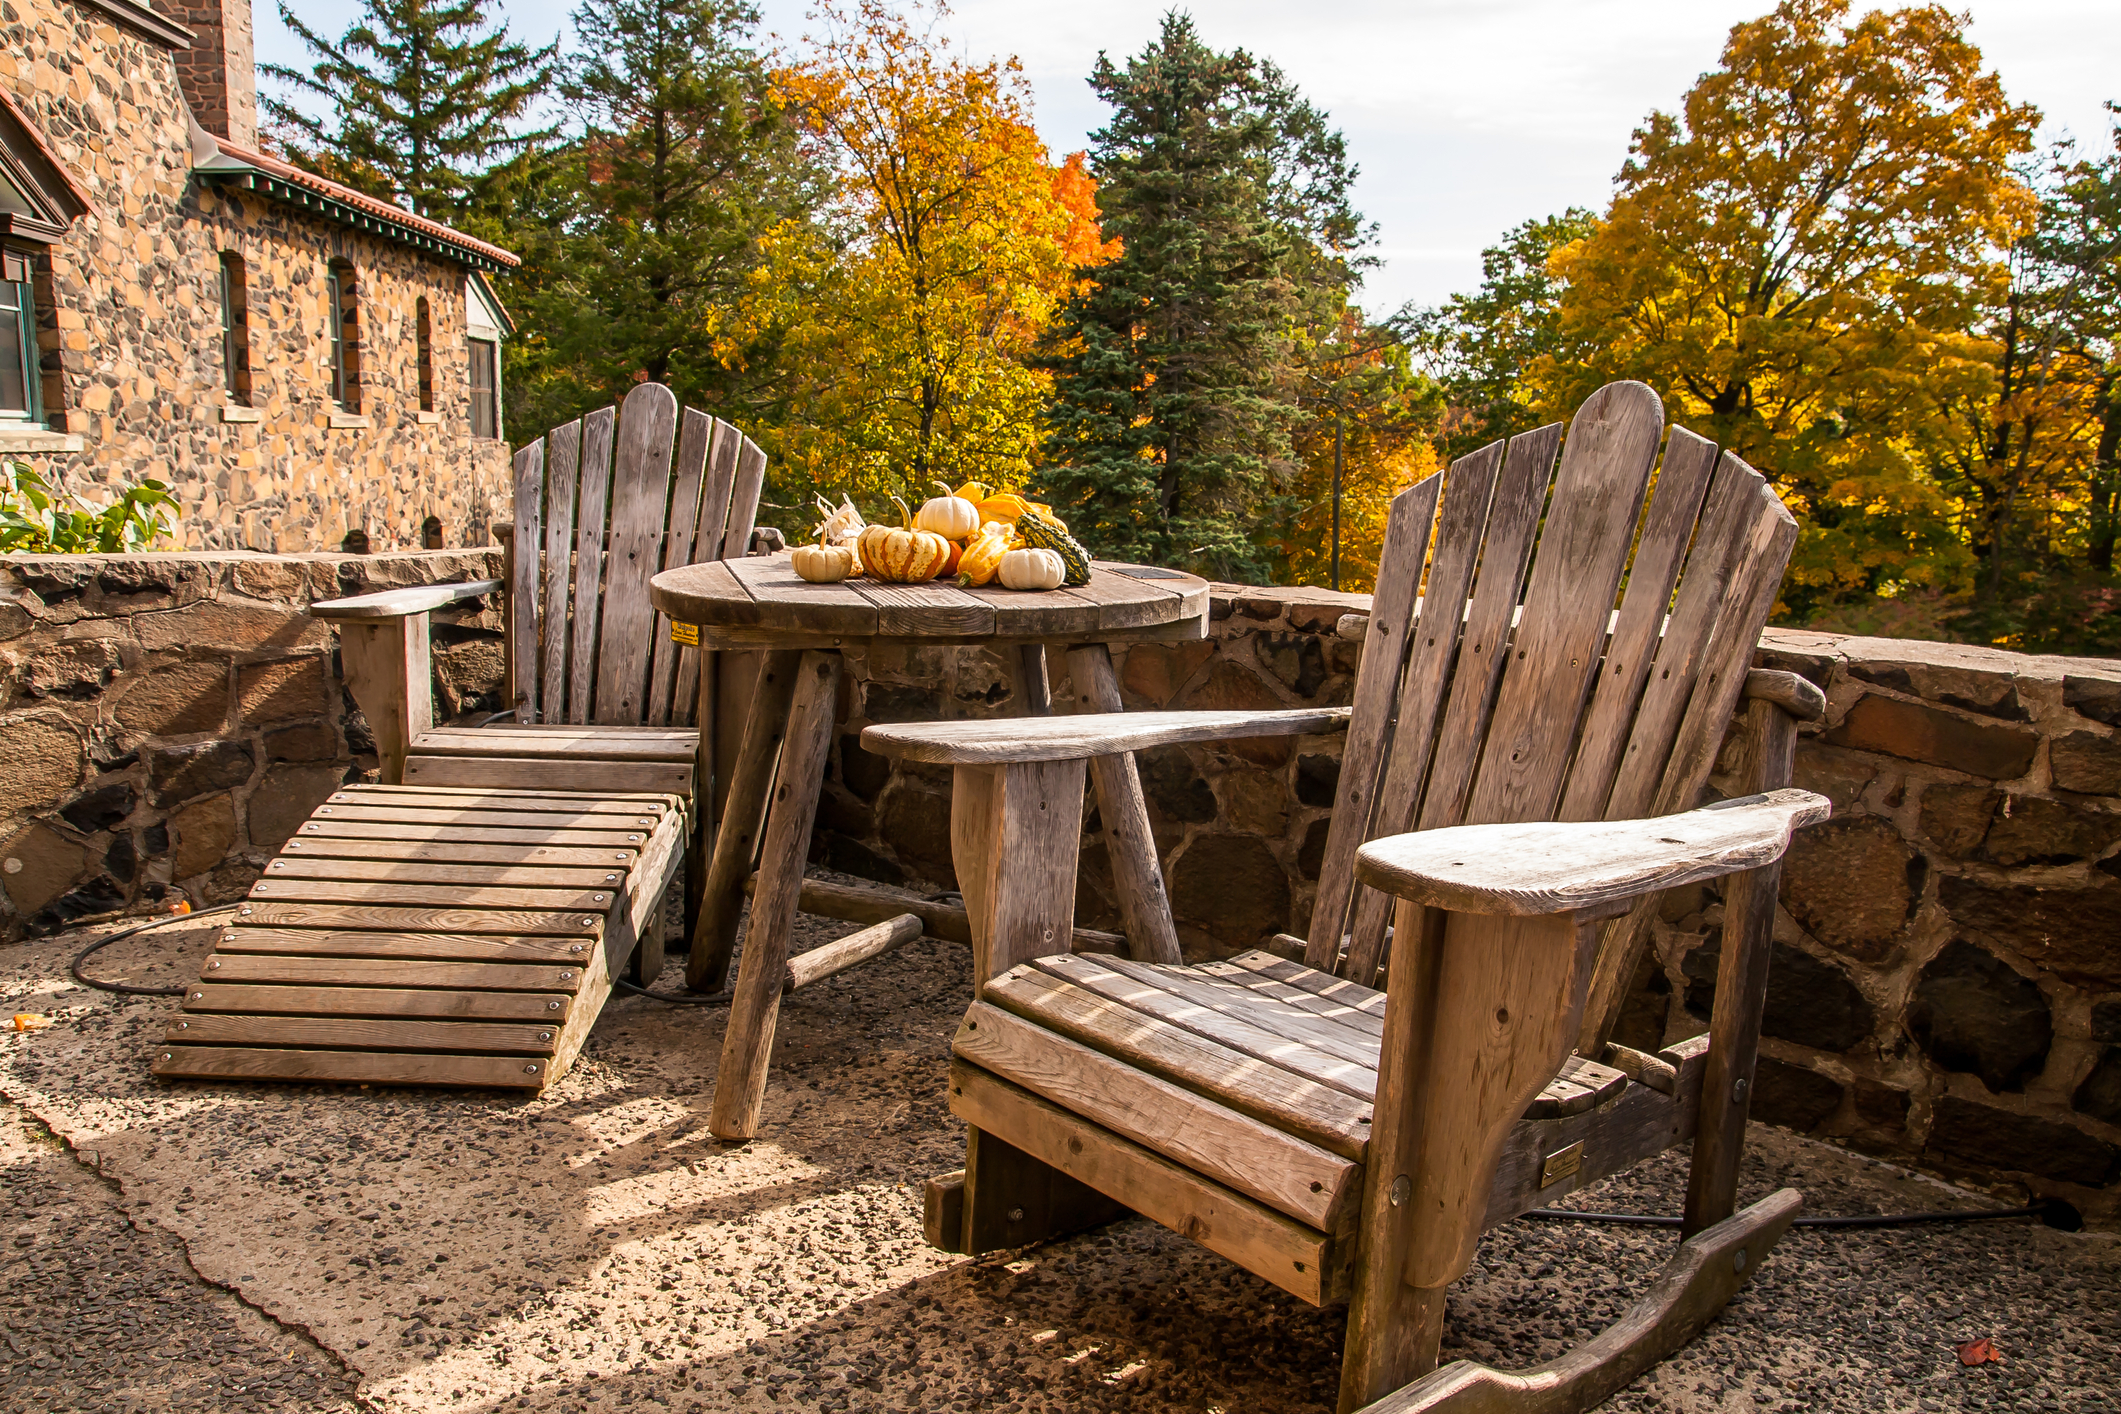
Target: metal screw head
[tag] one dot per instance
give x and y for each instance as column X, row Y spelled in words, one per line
column 184, row 1026
column 1738, row 1088
column 649, row 821
column 228, row 937
column 169, row 1055
column 544, row 1035
column 1738, row 1260
column 214, row 964
column 198, row 996
column 633, row 837
column 256, row 889
column 530, row 1070
column 576, row 948
column 1016, row 1215
column 590, row 922
column 564, row 976
column 309, row 825
column 294, row 844
column 1402, row 1189
column 324, row 810
column 552, row 1006
column 610, row 879
column 596, row 898
column 245, row 908
column 278, row 863
column 620, row 857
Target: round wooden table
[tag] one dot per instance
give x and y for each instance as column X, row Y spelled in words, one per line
column 797, row 632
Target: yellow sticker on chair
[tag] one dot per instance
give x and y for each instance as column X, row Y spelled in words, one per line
column 687, row 634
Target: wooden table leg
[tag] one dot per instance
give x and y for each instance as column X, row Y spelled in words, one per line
column 747, row 1046
column 1033, row 677
column 1137, row 877
column 743, row 810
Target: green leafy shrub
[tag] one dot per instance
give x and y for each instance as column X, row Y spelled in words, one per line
column 38, row 518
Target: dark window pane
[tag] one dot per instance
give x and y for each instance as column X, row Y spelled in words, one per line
column 15, row 358
column 483, row 370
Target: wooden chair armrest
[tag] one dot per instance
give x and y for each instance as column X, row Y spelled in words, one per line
column 401, row 603
column 1000, row 743
column 1529, row 870
column 1797, row 696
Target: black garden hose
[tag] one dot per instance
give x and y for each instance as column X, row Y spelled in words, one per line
column 2054, row 1214
column 126, row 988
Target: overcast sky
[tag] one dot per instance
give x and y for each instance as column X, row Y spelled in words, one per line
column 1465, row 116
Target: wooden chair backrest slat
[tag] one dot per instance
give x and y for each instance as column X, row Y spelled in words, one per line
column 744, row 500
column 1667, row 531
column 563, row 470
column 695, row 434
column 1590, row 528
column 1454, row 554
column 529, row 492
column 597, row 435
column 1408, row 526
column 600, row 509
column 1581, row 711
column 1485, row 640
column 640, row 512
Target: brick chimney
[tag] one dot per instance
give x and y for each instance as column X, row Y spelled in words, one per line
column 219, row 73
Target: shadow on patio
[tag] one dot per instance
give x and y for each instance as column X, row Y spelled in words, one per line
column 596, row 1249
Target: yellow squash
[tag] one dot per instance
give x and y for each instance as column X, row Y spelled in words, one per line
column 983, row 557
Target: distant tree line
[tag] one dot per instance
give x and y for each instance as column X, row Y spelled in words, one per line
column 1842, row 258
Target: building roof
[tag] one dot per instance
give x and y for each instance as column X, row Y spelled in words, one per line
column 218, row 160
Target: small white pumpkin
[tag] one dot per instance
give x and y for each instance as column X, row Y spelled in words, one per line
column 824, row 563
column 948, row 515
column 1032, row 569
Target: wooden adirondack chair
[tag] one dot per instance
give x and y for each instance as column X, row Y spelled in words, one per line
column 1348, row 1144
column 461, row 921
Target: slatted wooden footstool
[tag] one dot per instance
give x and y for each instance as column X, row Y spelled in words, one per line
column 426, row 935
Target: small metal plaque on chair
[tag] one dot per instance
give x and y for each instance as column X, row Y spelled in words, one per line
column 1561, row 1164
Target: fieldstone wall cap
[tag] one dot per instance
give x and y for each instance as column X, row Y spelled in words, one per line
column 1916, row 731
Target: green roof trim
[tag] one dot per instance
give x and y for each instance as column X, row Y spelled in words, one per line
column 228, row 167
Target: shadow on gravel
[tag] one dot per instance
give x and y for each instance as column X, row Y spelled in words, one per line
column 595, row 1249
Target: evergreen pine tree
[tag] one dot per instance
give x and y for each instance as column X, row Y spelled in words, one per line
column 682, row 165
column 1178, row 364
column 425, row 101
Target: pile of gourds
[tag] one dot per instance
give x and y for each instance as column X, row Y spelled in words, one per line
column 977, row 536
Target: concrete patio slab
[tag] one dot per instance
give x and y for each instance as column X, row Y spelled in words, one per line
column 595, row 1249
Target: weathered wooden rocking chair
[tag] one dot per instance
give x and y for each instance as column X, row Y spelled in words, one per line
column 461, row 921
column 1352, row 1145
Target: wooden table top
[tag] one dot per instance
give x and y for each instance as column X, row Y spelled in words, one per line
column 760, row 599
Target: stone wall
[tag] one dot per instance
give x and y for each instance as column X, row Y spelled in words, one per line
column 166, row 721
column 1946, row 987
column 134, row 383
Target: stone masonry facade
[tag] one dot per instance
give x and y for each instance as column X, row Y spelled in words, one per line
column 166, row 721
column 1946, row 985
column 134, row 383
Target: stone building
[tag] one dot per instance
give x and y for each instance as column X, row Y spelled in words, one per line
column 306, row 366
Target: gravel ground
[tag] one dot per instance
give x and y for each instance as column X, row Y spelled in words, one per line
column 320, row 1248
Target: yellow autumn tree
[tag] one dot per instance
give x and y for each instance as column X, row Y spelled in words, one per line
column 1790, row 260
column 910, row 322
column 1368, row 433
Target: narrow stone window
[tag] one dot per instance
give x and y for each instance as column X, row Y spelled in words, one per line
column 235, row 328
column 20, row 374
column 426, row 335
column 485, row 387
column 345, row 336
